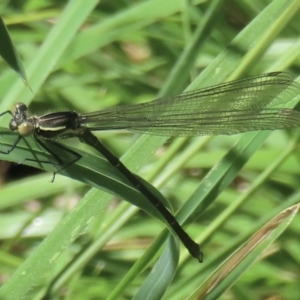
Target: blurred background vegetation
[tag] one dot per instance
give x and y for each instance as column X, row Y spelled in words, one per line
column 92, row 55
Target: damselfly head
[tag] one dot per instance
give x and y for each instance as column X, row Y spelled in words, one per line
column 19, row 122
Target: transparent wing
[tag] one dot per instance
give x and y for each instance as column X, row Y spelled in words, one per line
column 229, row 108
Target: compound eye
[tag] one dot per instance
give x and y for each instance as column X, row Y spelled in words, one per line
column 26, row 128
column 20, row 108
column 13, row 125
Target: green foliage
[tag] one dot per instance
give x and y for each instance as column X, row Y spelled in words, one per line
column 85, row 55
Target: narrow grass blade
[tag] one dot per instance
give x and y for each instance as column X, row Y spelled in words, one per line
column 233, row 268
column 9, row 52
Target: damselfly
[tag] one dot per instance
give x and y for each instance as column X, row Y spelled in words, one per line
column 238, row 106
